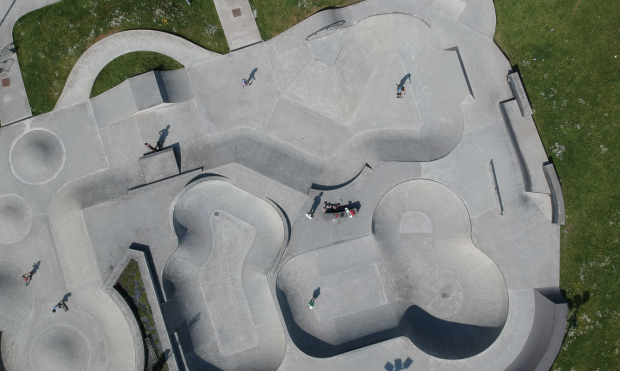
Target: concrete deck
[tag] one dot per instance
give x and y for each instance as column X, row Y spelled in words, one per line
column 451, row 263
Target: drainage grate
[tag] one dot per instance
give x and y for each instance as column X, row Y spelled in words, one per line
column 236, row 12
column 6, row 82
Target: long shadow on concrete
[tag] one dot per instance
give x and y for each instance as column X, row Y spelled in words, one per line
column 437, row 337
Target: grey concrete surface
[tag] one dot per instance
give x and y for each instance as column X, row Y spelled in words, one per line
column 238, row 23
column 15, row 219
column 320, row 122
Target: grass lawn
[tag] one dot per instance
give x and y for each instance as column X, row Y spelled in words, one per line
column 568, row 53
column 276, row 16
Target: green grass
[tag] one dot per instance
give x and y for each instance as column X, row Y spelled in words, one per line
column 54, row 37
column 129, row 65
column 566, row 52
column 131, row 287
column 276, row 16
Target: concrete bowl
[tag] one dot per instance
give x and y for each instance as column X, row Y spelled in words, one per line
column 418, row 275
column 216, row 280
column 60, row 347
column 37, row 157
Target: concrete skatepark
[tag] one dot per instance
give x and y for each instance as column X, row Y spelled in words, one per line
column 451, row 263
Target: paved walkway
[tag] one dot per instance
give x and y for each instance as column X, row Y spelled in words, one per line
column 83, row 75
column 238, row 23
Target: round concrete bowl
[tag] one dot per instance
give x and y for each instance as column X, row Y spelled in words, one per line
column 216, row 280
column 60, row 347
column 417, row 275
column 15, row 219
column 37, row 157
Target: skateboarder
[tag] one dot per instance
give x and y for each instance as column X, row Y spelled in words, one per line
column 27, row 277
column 311, row 303
column 310, row 214
column 400, row 90
column 61, row 304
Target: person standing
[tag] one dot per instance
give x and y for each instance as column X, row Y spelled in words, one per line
column 311, row 303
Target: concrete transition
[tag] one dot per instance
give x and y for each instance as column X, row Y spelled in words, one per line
column 405, row 110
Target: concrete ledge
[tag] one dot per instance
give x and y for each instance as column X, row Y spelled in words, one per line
column 547, row 332
column 519, row 92
column 286, row 225
column 159, row 165
column 557, row 199
column 151, row 293
column 527, row 145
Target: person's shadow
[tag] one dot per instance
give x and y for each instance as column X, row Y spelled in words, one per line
column 316, row 203
column 35, row 267
column 66, row 297
column 404, row 79
column 163, row 134
column 316, row 293
column 252, row 76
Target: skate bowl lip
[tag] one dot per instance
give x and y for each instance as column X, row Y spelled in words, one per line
column 20, row 163
column 294, row 329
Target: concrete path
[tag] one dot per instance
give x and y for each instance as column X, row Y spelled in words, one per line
column 238, row 23
column 84, row 73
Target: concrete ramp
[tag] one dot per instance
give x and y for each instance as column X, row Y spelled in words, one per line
column 140, row 93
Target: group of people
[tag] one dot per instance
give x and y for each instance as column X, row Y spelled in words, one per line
column 326, row 206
